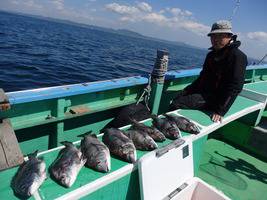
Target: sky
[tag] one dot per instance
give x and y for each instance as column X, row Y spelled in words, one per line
column 186, row 21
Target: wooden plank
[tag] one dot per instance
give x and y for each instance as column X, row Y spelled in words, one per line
column 4, row 102
column 3, row 160
column 10, row 154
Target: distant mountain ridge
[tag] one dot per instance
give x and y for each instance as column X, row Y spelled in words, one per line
column 124, row 32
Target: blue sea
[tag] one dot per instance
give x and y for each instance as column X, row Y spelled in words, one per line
column 38, row 53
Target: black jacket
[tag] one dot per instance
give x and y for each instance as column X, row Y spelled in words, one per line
column 222, row 77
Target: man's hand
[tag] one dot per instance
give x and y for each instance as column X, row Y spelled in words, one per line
column 216, row 117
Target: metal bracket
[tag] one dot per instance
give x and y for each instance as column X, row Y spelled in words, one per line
column 10, row 153
column 160, row 152
column 4, row 102
column 176, row 191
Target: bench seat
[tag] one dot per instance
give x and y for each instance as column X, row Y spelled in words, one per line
column 89, row 180
column 259, row 87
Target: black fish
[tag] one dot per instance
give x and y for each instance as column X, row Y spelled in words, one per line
column 96, row 152
column 184, row 124
column 167, row 127
column 141, row 140
column 29, row 177
column 119, row 144
column 151, row 131
column 67, row 165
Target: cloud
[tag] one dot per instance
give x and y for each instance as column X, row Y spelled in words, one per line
column 179, row 12
column 59, row 4
column 30, row 4
column 143, row 6
column 258, row 36
column 122, row 9
column 174, row 18
column 156, row 18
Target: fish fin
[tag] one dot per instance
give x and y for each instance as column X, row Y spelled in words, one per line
column 133, row 121
column 84, row 134
column 103, row 130
column 32, row 155
column 166, row 115
column 153, row 116
column 169, row 117
column 66, row 143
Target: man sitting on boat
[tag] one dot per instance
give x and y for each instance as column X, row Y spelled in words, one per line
column 221, row 78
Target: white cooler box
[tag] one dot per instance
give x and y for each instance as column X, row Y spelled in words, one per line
column 168, row 173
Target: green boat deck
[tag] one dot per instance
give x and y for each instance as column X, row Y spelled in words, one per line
column 234, row 172
column 51, row 190
column 203, row 118
column 259, row 87
column 237, row 174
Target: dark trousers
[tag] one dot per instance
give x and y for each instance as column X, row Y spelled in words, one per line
column 190, row 101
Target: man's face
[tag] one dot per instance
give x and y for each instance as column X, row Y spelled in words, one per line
column 219, row 40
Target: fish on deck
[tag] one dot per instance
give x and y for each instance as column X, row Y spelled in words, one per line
column 96, row 153
column 119, row 144
column 141, row 139
column 151, row 131
column 29, row 177
column 67, row 165
column 183, row 123
column 167, row 127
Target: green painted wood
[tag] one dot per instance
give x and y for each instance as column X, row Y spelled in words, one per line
column 5, row 190
column 36, row 113
column 126, row 188
column 198, row 146
column 259, row 87
column 51, row 190
column 156, row 91
column 239, row 134
column 235, row 173
column 170, row 89
column 204, row 118
column 37, row 122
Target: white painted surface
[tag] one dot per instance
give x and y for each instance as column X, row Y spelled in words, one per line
column 199, row 190
column 159, row 176
column 99, row 183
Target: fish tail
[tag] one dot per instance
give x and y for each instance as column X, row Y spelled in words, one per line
column 132, row 120
column 84, row 134
column 33, row 154
column 66, row 143
column 153, row 116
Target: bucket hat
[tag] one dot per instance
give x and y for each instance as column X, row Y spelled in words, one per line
column 222, row 26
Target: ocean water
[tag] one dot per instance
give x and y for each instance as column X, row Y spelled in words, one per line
column 38, row 53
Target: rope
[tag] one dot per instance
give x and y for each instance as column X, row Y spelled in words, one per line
column 146, row 93
column 262, row 59
column 158, row 74
column 160, row 68
column 237, row 4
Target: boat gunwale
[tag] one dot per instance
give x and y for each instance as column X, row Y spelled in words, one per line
column 25, row 96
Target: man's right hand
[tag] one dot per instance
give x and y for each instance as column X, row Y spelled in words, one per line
column 216, row 117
